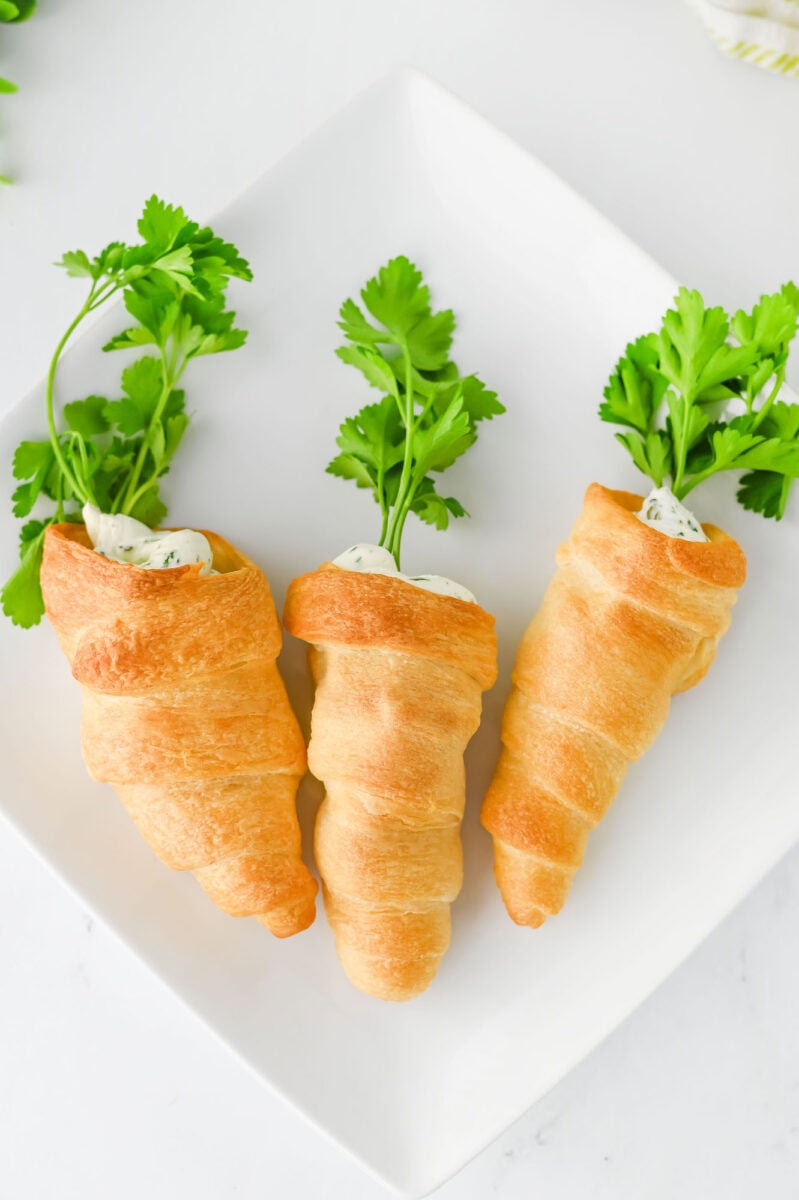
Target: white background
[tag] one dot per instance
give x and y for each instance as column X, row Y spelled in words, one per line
column 107, row 1087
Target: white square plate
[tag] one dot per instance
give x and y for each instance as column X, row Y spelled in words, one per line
column 546, row 293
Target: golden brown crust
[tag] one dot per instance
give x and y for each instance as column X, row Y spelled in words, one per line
column 351, row 608
column 185, row 714
column 650, row 568
column 399, row 674
column 630, row 617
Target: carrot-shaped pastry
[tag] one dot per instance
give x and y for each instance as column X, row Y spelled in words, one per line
column 172, row 635
column 399, row 661
column 643, row 592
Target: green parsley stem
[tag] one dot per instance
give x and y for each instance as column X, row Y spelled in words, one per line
column 80, row 488
column 429, row 402
column 384, row 524
column 171, row 377
column 398, row 516
column 750, row 395
column 682, row 451
column 117, row 500
column 173, row 364
column 785, row 491
column 142, row 490
column 54, row 441
column 381, row 494
column 103, row 293
column 681, row 490
column 403, row 514
column 75, row 439
column 772, row 396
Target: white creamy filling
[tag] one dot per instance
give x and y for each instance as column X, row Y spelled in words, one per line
column 127, row 540
column 376, row 560
column 663, row 511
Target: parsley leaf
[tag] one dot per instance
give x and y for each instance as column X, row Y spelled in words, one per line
column 76, row 263
column 114, row 453
column 663, row 387
column 428, row 414
column 87, row 417
column 782, row 421
column 161, row 223
column 22, row 595
column 651, row 455
column 479, row 402
column 439, row 444
column 372, row 366
column 433, row 508
column 20, row 10
column 694, row 354
column 636, row 388
column 350, row 466
column 764, row 492
column 32, row 462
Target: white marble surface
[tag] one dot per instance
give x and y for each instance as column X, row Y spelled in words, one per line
column 107, row 1087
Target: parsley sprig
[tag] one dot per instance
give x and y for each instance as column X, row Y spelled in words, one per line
column 672, row 388
column 428, row 414
column 113, row 453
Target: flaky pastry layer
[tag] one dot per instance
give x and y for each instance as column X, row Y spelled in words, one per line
column 630, row 617
column 185, row 714
column 399, row 674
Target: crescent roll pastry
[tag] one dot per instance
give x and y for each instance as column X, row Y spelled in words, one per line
column 399, row 674
column 185, row 714
column 630, row 617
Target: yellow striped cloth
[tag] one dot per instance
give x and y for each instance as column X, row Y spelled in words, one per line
column 765, row 34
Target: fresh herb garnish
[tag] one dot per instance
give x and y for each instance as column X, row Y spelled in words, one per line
column 113, row 453
column 669, row 387
column 20, row 10
column 429, row 412
column 13, row 14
